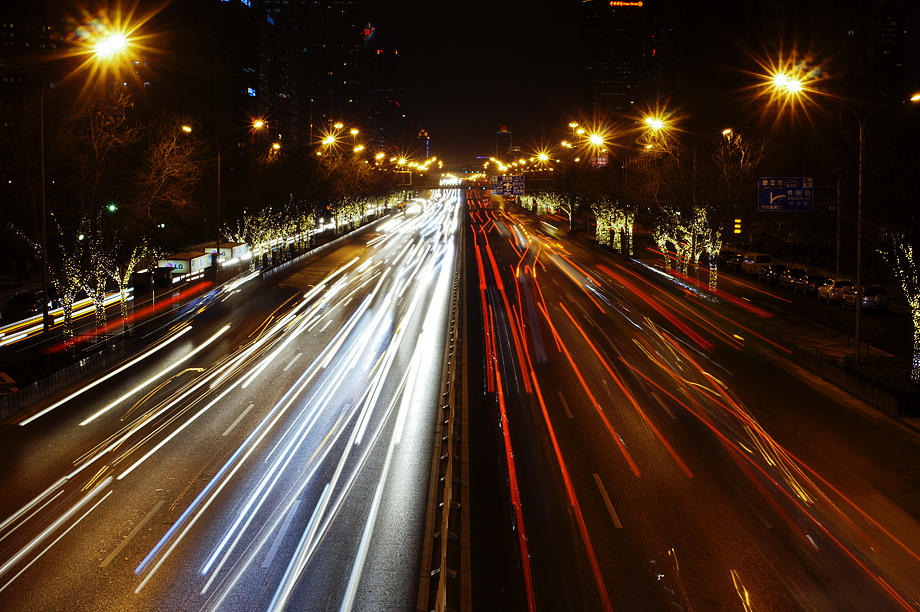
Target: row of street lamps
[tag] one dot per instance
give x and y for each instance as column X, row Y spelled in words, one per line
column 786, row 85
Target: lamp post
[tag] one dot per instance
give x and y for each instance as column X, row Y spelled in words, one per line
column 256, row 124
column 791, row 86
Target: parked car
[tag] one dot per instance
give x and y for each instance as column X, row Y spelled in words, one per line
column 770, row 274
column 870, row 297
column 809, row 283
column 724, row 256
column 23, row 305
column 733, row 262
column 833, row 289
column 788, row 278
column 753, row 262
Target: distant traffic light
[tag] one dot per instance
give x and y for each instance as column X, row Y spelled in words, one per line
column 737, row 226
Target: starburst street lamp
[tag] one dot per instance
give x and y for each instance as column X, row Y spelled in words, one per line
column 789, row 86
column 111, row 46
column 104, row 48
column 786, row 83
column 654, row 123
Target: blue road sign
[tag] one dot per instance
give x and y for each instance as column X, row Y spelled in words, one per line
column 508, row 185
column 790, row 193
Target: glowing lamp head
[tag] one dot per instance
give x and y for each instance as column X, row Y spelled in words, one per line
column 596, row 140
column 111, row 45
column 786, row 83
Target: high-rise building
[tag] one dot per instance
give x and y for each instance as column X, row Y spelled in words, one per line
column 387, row 122
column 503, row 143
column 346, row 76
column 617, row 52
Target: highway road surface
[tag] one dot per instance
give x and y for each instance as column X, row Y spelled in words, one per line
column 658, row 453
column 270, row 451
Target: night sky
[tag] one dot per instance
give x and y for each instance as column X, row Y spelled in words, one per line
column 467, row 68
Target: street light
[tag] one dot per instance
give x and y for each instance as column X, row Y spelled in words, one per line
column 111, row 46
column 790, row 86
column 104, row 48
column 256, row 124
column 654, row 123
column 787, row 83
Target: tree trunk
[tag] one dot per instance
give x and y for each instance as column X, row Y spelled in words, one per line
column 915, row 357
column 713, row 271
column 123, row 302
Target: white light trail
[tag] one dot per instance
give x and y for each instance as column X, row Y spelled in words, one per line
column 52, row 527
column 86, row 388
column 56, row 540
column 156, row 376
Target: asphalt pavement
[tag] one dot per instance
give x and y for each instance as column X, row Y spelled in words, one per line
column 654, row 448
column 271, row 450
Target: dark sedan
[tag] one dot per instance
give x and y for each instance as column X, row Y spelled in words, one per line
column 809, row 283
column 788, row 278
column 733, row 262
column 771, row 273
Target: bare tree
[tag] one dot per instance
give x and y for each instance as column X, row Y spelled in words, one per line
column 96, row 137
column 170, row 167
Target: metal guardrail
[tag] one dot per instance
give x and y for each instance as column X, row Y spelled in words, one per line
column 25, row 397
column 447, row 594
column 872, row 391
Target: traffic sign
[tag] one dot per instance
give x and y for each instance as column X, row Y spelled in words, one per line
column 789, row 193
column 511, row 185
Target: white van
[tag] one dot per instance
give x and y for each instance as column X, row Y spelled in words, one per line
column 753, row 262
